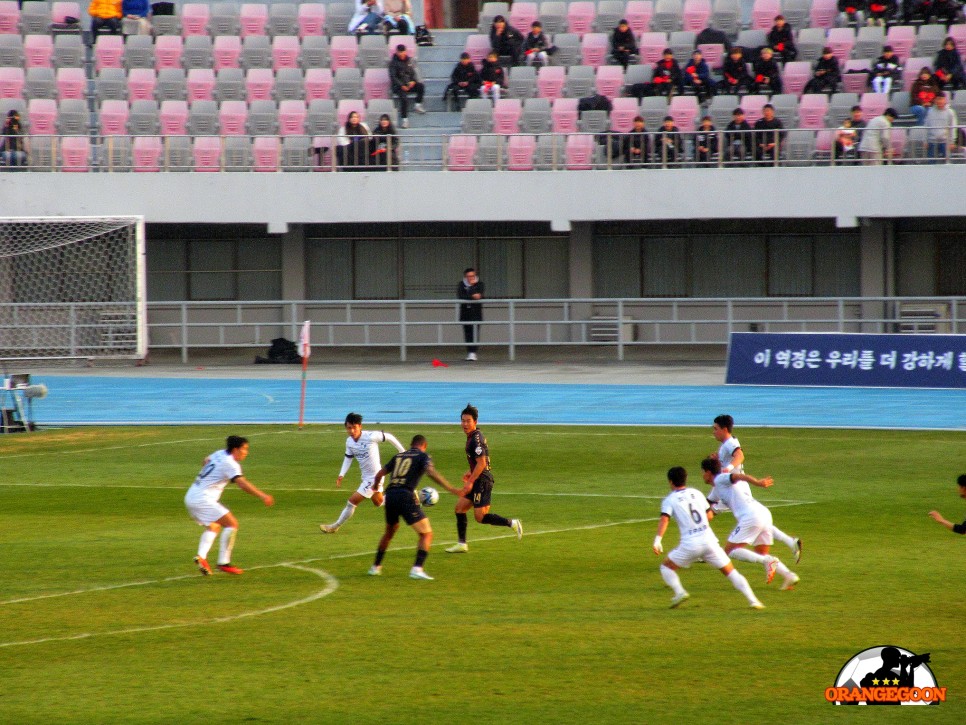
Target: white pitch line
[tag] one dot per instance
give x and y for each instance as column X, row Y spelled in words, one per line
column 331, row 584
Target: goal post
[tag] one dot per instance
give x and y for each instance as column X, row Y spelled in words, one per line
column 72, row 288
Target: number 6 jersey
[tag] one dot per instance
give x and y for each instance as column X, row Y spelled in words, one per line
column 688, row 507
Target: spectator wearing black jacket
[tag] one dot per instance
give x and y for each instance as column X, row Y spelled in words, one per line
column 493, row 75
column 853, row 10
column 697, row 76
column 734, row 74
column 706, row 142
column 506, row 40
column 668, row 144
column 739, row 139
column 826, row 76
column 782, row 41
column 666, row 80
column 536, row 47
column 465, row 80
column 768, row 78
column 949, row 66
column 405, row 79
column 769, row 134
column 636, row 144
column 623, row 44
column 885, row 71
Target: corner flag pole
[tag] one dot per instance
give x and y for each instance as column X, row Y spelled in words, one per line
column 305, row 350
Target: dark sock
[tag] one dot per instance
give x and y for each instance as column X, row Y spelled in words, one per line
column 421, row 557
column 461, row 527
column 494, row 520
column 379, row 554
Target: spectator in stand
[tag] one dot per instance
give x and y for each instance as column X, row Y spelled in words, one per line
column 105, row 17
column 941, row 128
column 398, row 17
column 858, row 122
column 846, row 143
column 506, row 40
column 493, row 75
column 782, row 41
column 352, row 144
column 924, row 90
column 623, row 44
column 876, row 144
column 739, row 139
column 734, row 73
column 880, row 11
column 944, row 11
column 666, row 79
column 706, row 142
column 13, row 143
column 712, row 36
column 536, row 46
column 769, row 134
column 404, row 78
column 636, row 144
column 385, row 145
column 948, row 11
column 367, row 18
column 470, row 291
column 697, row 76
column 853, row 12
column 137, row 10
column 826, row 76
column 885, row 71
column 768, row 77
column 949, row 66
column 464, row 80
column 668, row 144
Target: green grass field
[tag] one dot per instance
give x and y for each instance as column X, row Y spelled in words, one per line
column 104, row 619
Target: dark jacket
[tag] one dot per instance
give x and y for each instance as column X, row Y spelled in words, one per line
column 923, row 92
column 535, row 42
column 765, row 133
column 668, row 144
column 623, row 41
column 466, row 74
column 888, row 66
column 636, row 140
column 706, row 138
column 472, row 309
column 493, row 73
column 830, row 66
column 667, row 71
column 711, row 36
column 700, row 69
column 949, row 65
column 766, row 69
column 853, row 5
column 402, row 72
column 509, row 43
column 737, row 137
column 734, row 72
column 782, row 41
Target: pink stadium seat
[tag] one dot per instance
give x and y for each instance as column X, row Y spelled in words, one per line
column 461, row 150
column 651, row 46
column 796, row 75
column 564, row 115
column 194, row 19
column 253, row 18
column 147, row 152
column 899, row 136
column 824, row 140
column 610, row 80
column 207, row 153
column 113, row 117
column 911, row 68
column 291, row 118
column 60, row 11
column 713, row 54
column 343, row 50
column 43, row 116
column 823, row 13
column 595, row 48
column 226, row 51
column 140, row 84
column 318, row 83
column 622, row 115
column 477, row 46
column 75, row 152
column 580, row 151
column 812, row 108
column 11, row 82
column 506, row 115
column 266, row 151
column 9, row 17
column 638, row 15
column 685, row 111
column 375, row 83
column 285, row 52
column 167, row 51
column 855, row 82
column 696, row 15
column 550, row 81
column 38, row 51
column 519, row 152
column 841, row 41
column 522, row 15
column 346, row 107
column 174, row 118
column 109, row 52
column 201, row 84
column 873, row 104
column 958, row 33
column 752, row 106
column 71, row 83
column 763, row 14
column 259, row 83
column 325, row 144
column 232, row 117
column 902, row 38
column 311, row 19
column 580, row 17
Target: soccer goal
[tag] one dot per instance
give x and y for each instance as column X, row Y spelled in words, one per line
column 72, row 288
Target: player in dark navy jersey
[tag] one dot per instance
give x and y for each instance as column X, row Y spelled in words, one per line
column 479, row 481
column 938, row 517
column 404, row 471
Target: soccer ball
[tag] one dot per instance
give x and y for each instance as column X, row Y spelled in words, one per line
column 428, row 496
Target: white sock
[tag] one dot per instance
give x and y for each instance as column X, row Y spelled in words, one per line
column 672, row 579
column 742, row 554
column 345, row 515
column 783, row 571
column 787, row 540
column 207, row 539
column 741, row 584
column 227, row 544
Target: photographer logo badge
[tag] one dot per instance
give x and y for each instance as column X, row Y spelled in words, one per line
column 886, row 675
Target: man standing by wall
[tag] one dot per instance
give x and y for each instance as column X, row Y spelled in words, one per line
column 470, row 291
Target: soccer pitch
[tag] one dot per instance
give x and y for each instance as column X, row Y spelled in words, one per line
column 103, row 617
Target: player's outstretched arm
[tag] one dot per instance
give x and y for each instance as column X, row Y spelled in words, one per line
column 249, row 487
column 438, row 477
column 390, row 438
column 760, row 482
column 661, row 528
column 942, row 521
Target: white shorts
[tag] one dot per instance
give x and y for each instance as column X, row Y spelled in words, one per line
column 368, row 487
column 688, row 552
column 204, row 511
column 753, row 529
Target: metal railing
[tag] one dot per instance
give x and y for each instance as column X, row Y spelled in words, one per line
column 521, row 323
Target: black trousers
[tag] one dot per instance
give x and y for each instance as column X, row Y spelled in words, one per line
column 471, row 333
column 419, row 89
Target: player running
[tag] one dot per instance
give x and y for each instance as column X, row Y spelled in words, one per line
column 690, row 509
column 363, row 446
column 202, row 502
column 732, row 460
column 404, row 471
column 754, row 520
column 481, row 480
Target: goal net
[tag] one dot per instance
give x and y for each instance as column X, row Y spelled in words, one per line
column 72, row 287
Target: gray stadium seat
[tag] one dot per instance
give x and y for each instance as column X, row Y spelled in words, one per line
column 144, row 119
column 593, row 122
column 230, row 85
column 289, row 84
column 69, row 51
column 810, row 42
column 176, row 154
column 172, row 85
column 536, row 116
column 638, row 74
column 315, row 52
column 42, row 157
column 929, row 40
column 522, row 82
column 139, row 52
column 295, row 154
column 489, row 11
column 346, row 84
column 337, row 17
column 553, row 15
column 115, row 153
column 262, row 118
column 581, row 81
column 786, row 109
column 550, row 152
column 372, row 52
column 237, row 153
column 283, row 19
column 321, row 117
column 751, row 40
column 490, row 151
column 682, row 43
column 203, row 119
column 40, row 83
column 166, row 25
column 720, row 109
column 726, row 17
column 653, row 110
column 35, row 18
column 668, row 16
column 73, row 117
column 377, row 107
column 197, row 52
column 568, row 49
column 477, row 116
column 11, row 51
column 224, row 19
column 609, row 13
column 840, row 108
column 256, row 52
column 111, row 85
column 868, row 42
column 797, row 13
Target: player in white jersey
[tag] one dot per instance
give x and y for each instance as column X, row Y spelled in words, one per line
column 732, row 460
column 754, row 519
column 362, row 447
column 690, row 509
column 202, row 502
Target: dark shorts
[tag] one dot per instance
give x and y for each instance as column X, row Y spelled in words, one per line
column 480, row 495
column 403, row 503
